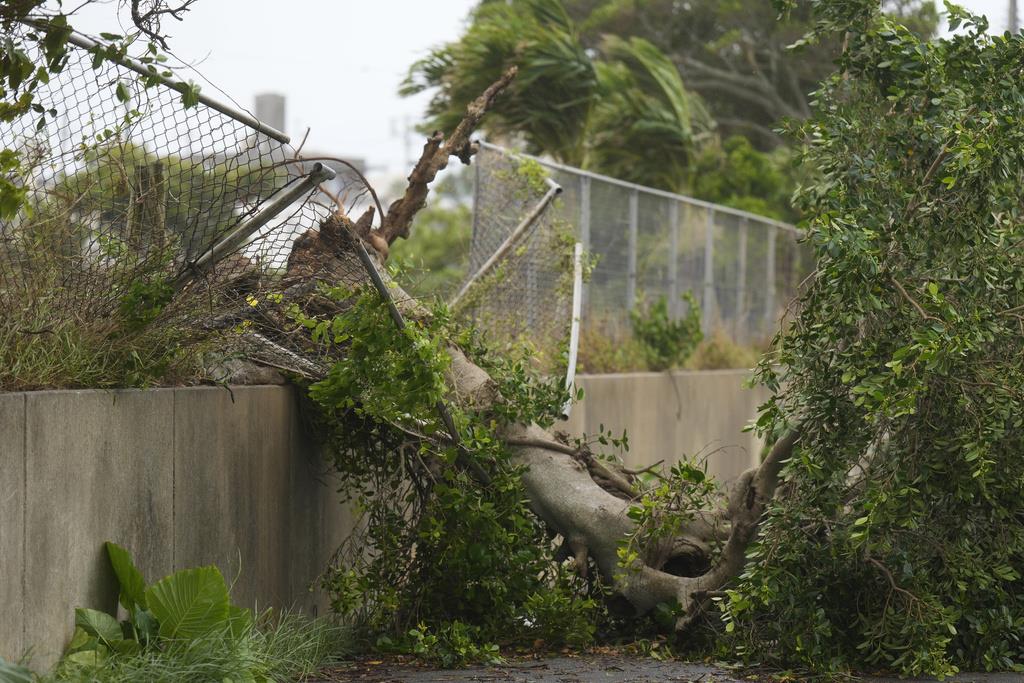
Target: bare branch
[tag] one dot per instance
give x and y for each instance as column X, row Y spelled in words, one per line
column 434, row 159
column 148, row 20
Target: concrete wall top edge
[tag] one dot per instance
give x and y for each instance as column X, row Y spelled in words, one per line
column 116, row 392
column 739, row 372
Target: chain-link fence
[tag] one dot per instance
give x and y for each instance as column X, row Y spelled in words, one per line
column 521, row 263
column 643, row 243
column 134, row 198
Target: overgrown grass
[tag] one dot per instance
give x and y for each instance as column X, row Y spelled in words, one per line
column 281, row 648
column 41, row 348
column 601, row 353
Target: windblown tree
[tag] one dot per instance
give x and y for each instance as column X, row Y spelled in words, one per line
column 623, row 111
column 736, row 54
column 898, row 541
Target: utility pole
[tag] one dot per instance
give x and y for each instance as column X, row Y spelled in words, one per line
column 1014, row 18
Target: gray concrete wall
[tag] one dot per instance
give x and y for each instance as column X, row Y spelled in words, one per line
column 196, row 476
column 181, row 477
column 672, row 415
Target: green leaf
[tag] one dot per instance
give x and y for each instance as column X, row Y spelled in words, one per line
column 190, row 95
column 190, row 603
column 78, row 640
column 87, row 658
column 133, row 585
column 12, row 673
column 145, row 625
column 99, row 624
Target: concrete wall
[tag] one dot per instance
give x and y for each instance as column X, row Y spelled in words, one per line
column 181, row 477
column 189, row 477
column 671, row 415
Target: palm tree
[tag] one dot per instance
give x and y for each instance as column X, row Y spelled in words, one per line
column 621, row 110
column 646, row 126
column 548, row 104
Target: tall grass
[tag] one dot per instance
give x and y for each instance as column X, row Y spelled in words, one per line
column 39, row 350
column 281, row 648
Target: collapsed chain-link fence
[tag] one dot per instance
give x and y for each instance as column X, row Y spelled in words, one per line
column 641, row 243
column 521, row 263
column 134, row 199
column 129, row 189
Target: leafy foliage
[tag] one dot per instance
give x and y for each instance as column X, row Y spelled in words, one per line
column 622, row 110
column 667, row 342
column 662, row 513
column 736, row 54
column 898, row 543
column 734, row 173
column 645, row 126
column 13, row 673
column 184, row 628
column 549, row 102
column 451, row 560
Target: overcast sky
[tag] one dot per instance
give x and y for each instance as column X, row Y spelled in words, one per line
column 339, row 62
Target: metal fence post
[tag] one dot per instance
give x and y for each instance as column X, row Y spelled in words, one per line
column 769, row 301
column 708, row 302
column 634, row 222
column 673, row 259
column 741, row 282
column 585, row 230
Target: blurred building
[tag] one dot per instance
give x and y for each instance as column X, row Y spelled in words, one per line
column 271, row 109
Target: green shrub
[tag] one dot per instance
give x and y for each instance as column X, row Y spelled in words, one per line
column 898, row 542
column 603, row 353
column 456, row 562
column 184, row 627
column 557, row 619
column 666, row 342
column 720, row 352
column 447, row 645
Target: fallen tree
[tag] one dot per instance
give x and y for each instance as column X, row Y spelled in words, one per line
column 896, row 539
column 581, row 499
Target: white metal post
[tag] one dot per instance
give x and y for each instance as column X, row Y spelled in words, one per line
column 574, row 329
column 708, row 302
column 634, row 222
column 673, row 259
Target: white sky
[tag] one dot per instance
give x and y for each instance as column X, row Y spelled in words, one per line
column 339, row 62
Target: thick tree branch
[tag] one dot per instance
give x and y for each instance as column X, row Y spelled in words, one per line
column 434, row 159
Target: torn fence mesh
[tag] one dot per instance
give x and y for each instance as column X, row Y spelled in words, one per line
column 127, row 189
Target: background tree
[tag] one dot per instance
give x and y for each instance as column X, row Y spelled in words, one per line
column 736, row 53
column 20, row 75
column 621, row 110
column 733, row 173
